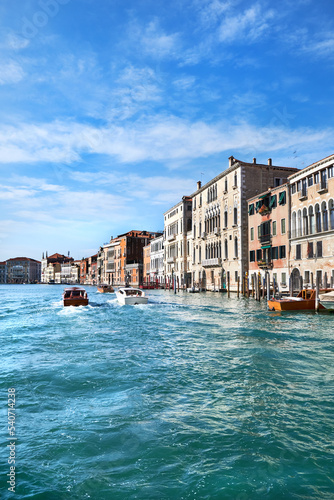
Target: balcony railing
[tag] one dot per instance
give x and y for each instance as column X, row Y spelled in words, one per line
column 265, row 238
column 303, row 194
column 170, row 260
column 322, row 187
column 215, row 262
column 171, row 237
column 264, row 264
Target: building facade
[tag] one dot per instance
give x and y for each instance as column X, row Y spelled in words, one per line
column 312, row 224
column 23, row 270
column 177, row 233
column 268, row 236
column 157, row 274
column 220, row 221
column 51, row 267
column 3, row 273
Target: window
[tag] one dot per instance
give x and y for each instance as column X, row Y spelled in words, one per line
column 274, row 253
column 299, row 185
column 274, row 228
column 259, row 254
column 226, row 249
column 236, row 276
column 293, row 188
column 316, row 178
column 235, row 180
column 252, row 234
column 252, row 256
column 277, row 181
column 330, row 172
column 307, row 276
column 282, row 252
column 282, row 226
column 298, row 252
column 259, row 232
column 319, row 248
column 310, row 181
column 236, row 247
column 310, row 253
column 235, row 216
column 251, row 209
column 273, row 201
column 283, row 278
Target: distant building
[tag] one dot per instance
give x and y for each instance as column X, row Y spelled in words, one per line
column 157, row 260
column 23, row 270
column 3, row 273
column 52, row 265
column 121, row 260
column 147, row 263
column 177, row 232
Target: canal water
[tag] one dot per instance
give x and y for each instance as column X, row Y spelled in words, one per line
column 194, row 396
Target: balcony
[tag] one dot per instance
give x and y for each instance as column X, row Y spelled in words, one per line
column 322, row 187
column 216, row 231
column 303, row 194
column 171, row 260
column 215, row 262
column 171, row 237
column 265, row 239
column 264, row 264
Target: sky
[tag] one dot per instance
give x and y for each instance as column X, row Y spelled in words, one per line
column 112, row 110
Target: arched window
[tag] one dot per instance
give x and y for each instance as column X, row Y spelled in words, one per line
column 331, row 213
column 188, row 224
column 293, row 225
column 225, row 218
column 305, row 221
column 324, row 216
column 200, row 254
column 235, row 216
column 311, row 219
column 235, row 247
column 299, row 223
column 226, row 249
column 220, row 250
column 317, row 218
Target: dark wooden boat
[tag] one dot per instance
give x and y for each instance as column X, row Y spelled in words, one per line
column 75, row 296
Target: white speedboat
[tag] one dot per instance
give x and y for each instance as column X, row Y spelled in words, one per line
column 131, row 296
column 327, row 300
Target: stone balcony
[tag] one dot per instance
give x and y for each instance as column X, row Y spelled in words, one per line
column 215, row 262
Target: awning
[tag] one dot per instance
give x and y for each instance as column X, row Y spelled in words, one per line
column 265, row 246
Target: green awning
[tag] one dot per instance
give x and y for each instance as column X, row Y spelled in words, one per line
column 266, row 246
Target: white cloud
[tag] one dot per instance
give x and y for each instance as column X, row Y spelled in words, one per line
column 10, row 72
column 249, row 25
column 159, row 139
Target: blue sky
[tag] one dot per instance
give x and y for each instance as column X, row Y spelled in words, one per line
column 110, row 111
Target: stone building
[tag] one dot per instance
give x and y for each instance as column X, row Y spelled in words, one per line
column 157, row 261
column 23, row 270
column 268, row 235
column 121, row 260
column 3, row 273
column 52, row 265
column 220, row 221
column 177, row 233
column 312, row 224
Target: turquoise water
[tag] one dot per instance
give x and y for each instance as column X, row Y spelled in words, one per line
column 190, row 397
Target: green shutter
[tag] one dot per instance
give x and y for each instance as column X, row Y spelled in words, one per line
column 272, row 201
column 282, row 198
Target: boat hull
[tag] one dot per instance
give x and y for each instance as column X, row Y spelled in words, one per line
column 131, row 296
column 289, row 304
column 75, row 302
column 105, row 289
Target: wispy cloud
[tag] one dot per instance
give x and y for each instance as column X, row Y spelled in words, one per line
column 10, row 72
column 247, row 26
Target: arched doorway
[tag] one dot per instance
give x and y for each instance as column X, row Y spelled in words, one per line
column 295, row 280
column 223, row 280
column 203, row 284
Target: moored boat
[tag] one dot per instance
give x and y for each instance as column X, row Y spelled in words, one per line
column 105, row 289
column 131, row 296
column 327, row 300
column 75, row 296
column 305, row 301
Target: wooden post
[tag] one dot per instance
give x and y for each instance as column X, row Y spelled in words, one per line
column 268, row 285
column 253, row 285
column 228, row 284
column 317, row 293
column 259, row 287
column 312, row 282
column 238, row 285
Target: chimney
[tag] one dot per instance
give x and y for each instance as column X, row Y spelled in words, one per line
column 269, row 162
column 231, row 160
column 199, row 185
column 254, row 161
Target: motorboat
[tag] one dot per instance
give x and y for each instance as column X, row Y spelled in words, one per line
column 193, row 289
column 327, row 300
column 304, row 301
column 75, row 296
column 131, row 296
column 105, row 289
